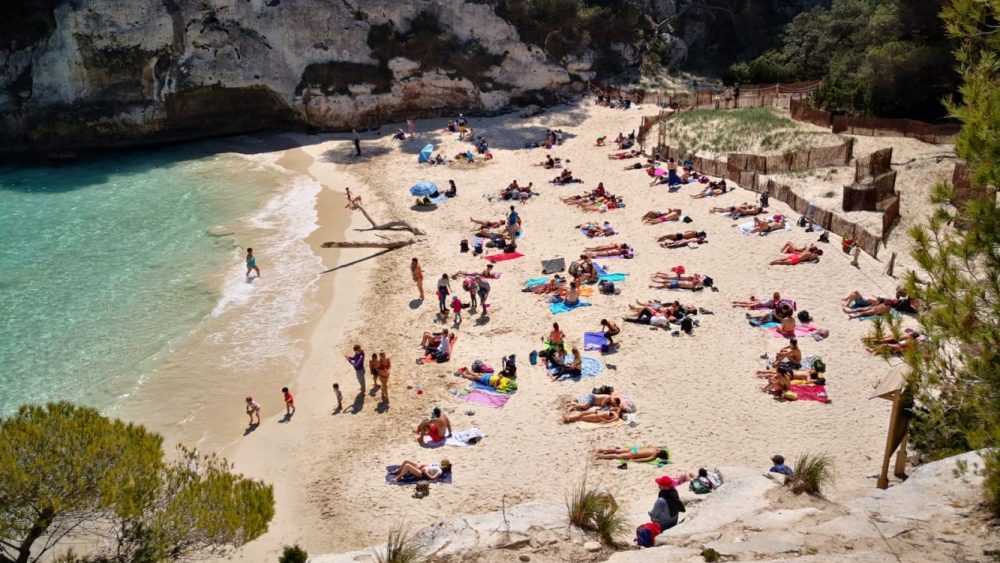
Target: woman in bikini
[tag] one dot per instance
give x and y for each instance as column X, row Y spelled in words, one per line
column 655, row 217
column 555, row 285
column 894, row 345
column 882, row 307
column 711, row 191
column 418, row 276
column 753, row 303
column 682, row 243
column 488, row 224
column 790, row 248
column 597, row 417
column 608, row 251
column 384, row 367
column 795, row 258
column 693, row 282
column 763, row 226
column 557, row 335
column 422, row 471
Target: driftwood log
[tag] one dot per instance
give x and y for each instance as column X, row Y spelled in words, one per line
column 386, row 244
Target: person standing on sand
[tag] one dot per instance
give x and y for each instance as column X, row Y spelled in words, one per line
column 253, row 409
column 357, row 361
column 513, row 224
column 444, row 290
column 418, row 276
column 473, row 286
column 373, row 365
column 252, row 263
column 357, row 142
column 484, row 291
column 385, row 366
column 289, row 402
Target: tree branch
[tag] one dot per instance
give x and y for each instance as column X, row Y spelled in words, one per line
column 391, row 225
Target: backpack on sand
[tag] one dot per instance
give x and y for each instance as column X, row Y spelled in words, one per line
column 645, row 535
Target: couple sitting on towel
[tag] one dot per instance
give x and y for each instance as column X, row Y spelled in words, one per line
column 438, row 345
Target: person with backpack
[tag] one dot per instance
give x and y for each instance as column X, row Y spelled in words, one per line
column 668, row 506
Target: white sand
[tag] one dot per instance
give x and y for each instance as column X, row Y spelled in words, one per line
column 697, row 395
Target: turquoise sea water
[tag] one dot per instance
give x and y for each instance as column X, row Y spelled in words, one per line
column 105, row 265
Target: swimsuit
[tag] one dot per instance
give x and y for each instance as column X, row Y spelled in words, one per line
column 674, row 284
column 251, row 262
column 433, row 433
column 794, row 259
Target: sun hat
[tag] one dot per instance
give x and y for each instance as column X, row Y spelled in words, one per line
column 665, row 481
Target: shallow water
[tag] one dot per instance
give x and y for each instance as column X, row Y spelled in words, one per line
column 116, row 266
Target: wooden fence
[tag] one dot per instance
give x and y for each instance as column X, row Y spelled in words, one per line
column 873, row 126
column 874, row 184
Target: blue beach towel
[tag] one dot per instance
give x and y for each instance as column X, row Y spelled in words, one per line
column 617, row 277
column 536, row 281
column 594, row 341
column 561, row 307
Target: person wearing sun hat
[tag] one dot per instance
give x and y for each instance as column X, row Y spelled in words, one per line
column 666, row 511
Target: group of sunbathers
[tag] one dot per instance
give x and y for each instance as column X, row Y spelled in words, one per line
column 894, row 344
column 594, row 230
column 656, row 217
column 677, row 240
column 599, row 408
column 766, row 225
column 625, row 142
column 597, row 199
column 857, row 306
column 658, row 314
column 797, row 254
column 713, row 189
column 494, row 231
column 781, row 378
column 609, row 251
column 438, row 345
column 513, row 191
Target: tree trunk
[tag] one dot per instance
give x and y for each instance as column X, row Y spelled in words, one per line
column 391, row 225
column 389, row 245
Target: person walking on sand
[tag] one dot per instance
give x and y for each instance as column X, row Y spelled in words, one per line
column 418, row 276
column 357, row 361
column 409, row 127
column 484, row 291
column 252, row 263
column 385, row 366
column 357, row 141
column 289, row 402
column 253, row 409
column 473, row 287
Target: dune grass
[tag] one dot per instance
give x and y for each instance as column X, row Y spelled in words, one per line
column 591, row 508
column 740, row 130
column 400, row 547
column 813, row 472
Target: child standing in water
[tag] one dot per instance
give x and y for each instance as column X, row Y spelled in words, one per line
column 252, row 263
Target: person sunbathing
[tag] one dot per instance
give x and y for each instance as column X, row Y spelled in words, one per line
column 555, row 285
column 497, row 381
column 644, row 454
column 742, row 210
column 753, row 303
column 680, row 283
column 593, row 230
column 796, row 258
column 686, row 235
column 655, row 217
column 810, row 375
column 711, row 191
column 634, row 153
column 791, row 247
column 586, row 273
column 907, row 340
column 775, row 315
column 600, row 205
column 601, row 416
column 487, row 273
column 609, row 251
column 489, row 224
column 422, row 471
column 602, row 400
column 682, row 243
column 875, row 310
column 857, row 301
column 765, row 226
column 779, row 383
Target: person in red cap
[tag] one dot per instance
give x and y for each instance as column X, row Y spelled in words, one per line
column 668, row 506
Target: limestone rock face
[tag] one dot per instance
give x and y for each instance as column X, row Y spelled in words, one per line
column 123, row 72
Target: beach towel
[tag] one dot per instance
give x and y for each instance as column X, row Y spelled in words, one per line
column 584, row 291
column 589, row 368
column 811, row 393
column 791, row 302
column 562, row 307
column 390, row 478
column 479, row 394
column 503, row 256
column 536, row 281
column 747, row 229
column 554, row 265
column 594, row 341
column 616, row 277
column 800, row 330
column 465, row 438
column 892, row 314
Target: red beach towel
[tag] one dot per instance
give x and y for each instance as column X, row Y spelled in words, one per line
column 504, row 256
column 811, row 393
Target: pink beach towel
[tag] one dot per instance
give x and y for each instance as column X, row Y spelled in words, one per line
column 811, row 393
column 492, row 400
column 800, row 331
column 504, row 256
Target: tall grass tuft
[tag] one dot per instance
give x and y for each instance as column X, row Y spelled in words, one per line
column 400, row 547
column 591, row 508
column 813, row 472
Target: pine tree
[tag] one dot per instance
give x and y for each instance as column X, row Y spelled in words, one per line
column 956, row 381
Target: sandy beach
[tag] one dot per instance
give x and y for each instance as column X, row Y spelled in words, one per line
column 696, row 395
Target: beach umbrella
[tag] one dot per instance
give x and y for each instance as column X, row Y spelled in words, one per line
column 423, row 188
column 425, row 154
column 659, row 172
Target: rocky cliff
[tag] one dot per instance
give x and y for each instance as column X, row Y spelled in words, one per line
column 98, row 73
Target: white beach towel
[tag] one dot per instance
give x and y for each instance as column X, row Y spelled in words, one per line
column 747, row 228
column 464, row 438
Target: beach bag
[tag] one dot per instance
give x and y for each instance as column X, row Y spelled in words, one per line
column 687, row 325
column 463, row 246
column 804, row 316
column 707, row 281
column 533, row 357
column 512, row 247
column 646, row 534
column 699, row 487
column 607, row 287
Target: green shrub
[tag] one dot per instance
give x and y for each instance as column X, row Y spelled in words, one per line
column 591, row 508
column 293, row 554
column 813, row 472
column 710, row 555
